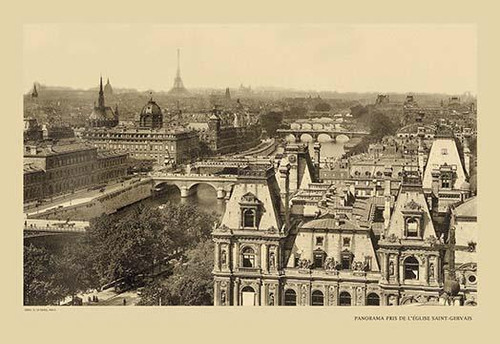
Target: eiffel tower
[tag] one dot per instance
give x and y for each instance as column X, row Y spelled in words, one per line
column 178, row 90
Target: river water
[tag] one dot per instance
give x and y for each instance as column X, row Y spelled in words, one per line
column 206, row 196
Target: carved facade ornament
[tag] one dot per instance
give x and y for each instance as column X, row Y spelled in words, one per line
column 249, row 198
column 304, row 295
column 330, row 263
column 305, row 264
column 432, row 240
column 359, row 296
column 357, row 266
column 271, row 299
column 223, row 228
column 392, row 238
column 223, row 258
column 272, row 229
column 332, row 296
column 391, row 268
column 272, row 260
column 413, row 206
column 431, row 270
column 223, row 298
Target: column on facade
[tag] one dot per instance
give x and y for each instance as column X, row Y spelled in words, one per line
column 386, row 267
column 399, row 271
column 264, row 249
column 217, row 256
column 236, row 292
column 236, row 256
column 426, row 269
column 217, row 293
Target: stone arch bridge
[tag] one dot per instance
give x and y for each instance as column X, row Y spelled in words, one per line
column 187, row 183
column 326, row 133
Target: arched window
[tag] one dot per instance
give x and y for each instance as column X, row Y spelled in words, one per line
column 411, row 266
column 317, row 298
column 290, row 297
column 248, row 257
column 412, row 228
column 368, row 173
column 344, row 299
column 249, row 218
column 372, row 300
column 248, row 296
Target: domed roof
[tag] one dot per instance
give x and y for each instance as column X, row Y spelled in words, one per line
column 151, row 108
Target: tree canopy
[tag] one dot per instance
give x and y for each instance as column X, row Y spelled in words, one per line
column 271, row 121
column 191, row 282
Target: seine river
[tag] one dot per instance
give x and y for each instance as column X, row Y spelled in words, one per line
column 206, row 198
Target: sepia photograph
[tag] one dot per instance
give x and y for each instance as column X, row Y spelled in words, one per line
column 271, row 165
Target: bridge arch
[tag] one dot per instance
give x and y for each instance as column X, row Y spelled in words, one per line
column 324, row 138
column 306, row 138
column 164, row 186
column 291, row 138
column 342, row 138
column 318, row 126
column 307, row 126
column 295, row 126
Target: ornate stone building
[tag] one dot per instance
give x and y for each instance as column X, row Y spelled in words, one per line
column 287, row 240
column 66, row 166
column 148, row 140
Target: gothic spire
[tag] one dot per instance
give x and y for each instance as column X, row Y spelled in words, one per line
column 101, row 95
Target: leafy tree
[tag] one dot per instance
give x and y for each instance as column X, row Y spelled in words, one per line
column 191, row 282
column 358, row 111
column 379, row 125
column 271, row 122
column 322, row 107
column 297, row 112
column 41, row 282
column 123, row 247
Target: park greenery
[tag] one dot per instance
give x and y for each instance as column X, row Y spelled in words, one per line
column 144, row 242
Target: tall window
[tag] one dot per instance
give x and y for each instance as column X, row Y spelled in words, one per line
column 445, row 182
column 319, row 258
column 248, row 257
column 411, row 268
column 372, row 300
column 344, row 299
column 248, row 218
column 317, row 298
column 346, row 260
column 290, row 297
column 412, row 228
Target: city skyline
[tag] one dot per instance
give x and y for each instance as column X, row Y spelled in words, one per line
column 341, row 58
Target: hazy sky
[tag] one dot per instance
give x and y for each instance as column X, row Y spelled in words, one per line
column 359, row 58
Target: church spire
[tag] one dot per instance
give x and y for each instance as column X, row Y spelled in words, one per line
column 101, row 95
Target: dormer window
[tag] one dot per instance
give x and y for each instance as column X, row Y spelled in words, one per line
column 412, row 228
column 249, row 218
column 413, row 215
column 250, row 208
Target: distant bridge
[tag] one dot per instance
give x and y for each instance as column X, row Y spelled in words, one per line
column 37, row 227
column 325, row 133
column 187, row 183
